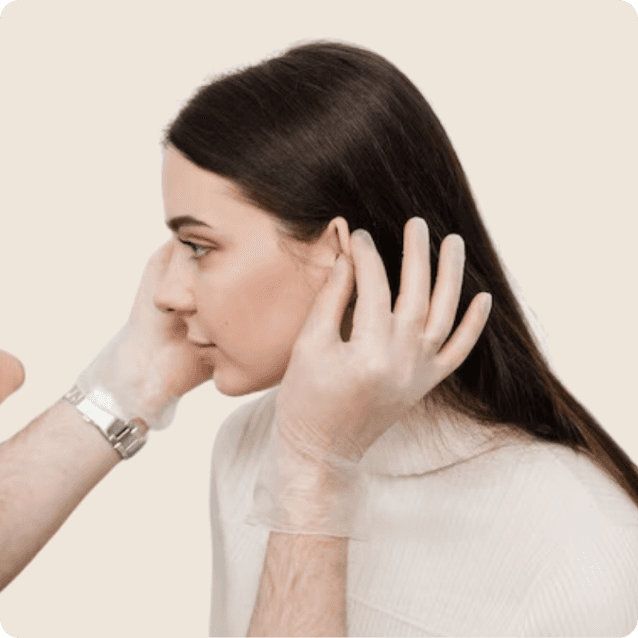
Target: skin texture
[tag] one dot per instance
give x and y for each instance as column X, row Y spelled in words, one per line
column 245, row 288
column 46, row 469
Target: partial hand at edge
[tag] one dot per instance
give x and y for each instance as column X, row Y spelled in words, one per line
column 11, row 374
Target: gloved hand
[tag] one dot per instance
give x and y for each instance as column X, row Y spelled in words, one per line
column 337, row 398
column 148, row 365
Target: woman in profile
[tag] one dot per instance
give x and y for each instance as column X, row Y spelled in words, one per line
column 501, row 507
column 496, row 505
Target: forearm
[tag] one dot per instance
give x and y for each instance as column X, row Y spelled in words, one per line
column 302, row 591
column 46, row 469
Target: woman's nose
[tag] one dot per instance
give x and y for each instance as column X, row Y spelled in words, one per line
column 173, row 293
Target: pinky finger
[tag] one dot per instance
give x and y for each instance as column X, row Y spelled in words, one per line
column 461, row 343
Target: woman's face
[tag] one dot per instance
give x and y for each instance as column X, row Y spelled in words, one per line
column 237, row 285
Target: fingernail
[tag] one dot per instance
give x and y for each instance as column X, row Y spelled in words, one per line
column 365, row 235
column 460, row 244
column 421, row 224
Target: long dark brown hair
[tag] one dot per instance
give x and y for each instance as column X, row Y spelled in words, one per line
column 328, row 130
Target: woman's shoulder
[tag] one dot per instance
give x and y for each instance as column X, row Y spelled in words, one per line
column 554, row 477
column 526, row 487
column 587, row 527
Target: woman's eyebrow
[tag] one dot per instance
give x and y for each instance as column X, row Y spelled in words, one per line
column 185, row 220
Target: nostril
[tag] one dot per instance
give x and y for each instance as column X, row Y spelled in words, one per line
column 175, row 300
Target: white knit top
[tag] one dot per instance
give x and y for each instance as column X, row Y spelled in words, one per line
column 466, row 537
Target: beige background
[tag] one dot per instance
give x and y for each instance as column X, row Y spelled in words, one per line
column 540, row 100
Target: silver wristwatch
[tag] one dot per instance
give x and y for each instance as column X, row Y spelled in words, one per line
column 127, row 438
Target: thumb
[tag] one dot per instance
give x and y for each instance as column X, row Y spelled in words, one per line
column 11, row 374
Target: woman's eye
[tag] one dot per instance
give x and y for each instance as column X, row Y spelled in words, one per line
column 198, row 249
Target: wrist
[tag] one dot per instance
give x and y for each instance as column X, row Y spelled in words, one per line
column 296, row 494
column 127, row 437
column 129, row 400
column 126, row 379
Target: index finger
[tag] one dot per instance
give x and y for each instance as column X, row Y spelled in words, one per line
column 155, row 266
column 161, row 257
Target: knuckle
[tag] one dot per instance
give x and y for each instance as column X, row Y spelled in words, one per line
column 412, row 323
column 415, row 333
column 433, row 339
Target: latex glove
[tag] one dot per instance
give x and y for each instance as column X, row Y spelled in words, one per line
column 148, row 365
column 11, row 374
column 337, row 398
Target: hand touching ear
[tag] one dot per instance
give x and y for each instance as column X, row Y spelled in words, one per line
column 11, row 374
column 338, row 397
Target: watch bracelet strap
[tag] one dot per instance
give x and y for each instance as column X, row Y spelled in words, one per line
column 126, row 437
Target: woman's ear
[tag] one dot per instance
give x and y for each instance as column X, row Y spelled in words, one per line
column 339, row 227
column 334, row 241
column 344, row 246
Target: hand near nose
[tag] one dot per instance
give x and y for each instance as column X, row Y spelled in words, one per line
column 180, row 365
column 149, row 364
column 11, row 374
column 339, row 397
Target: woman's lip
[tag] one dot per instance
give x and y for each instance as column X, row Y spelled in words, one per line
column 203, row 345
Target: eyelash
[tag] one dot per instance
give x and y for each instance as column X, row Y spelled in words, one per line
column 194, row 247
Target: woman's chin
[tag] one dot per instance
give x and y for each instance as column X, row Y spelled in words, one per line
column 239, row 385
